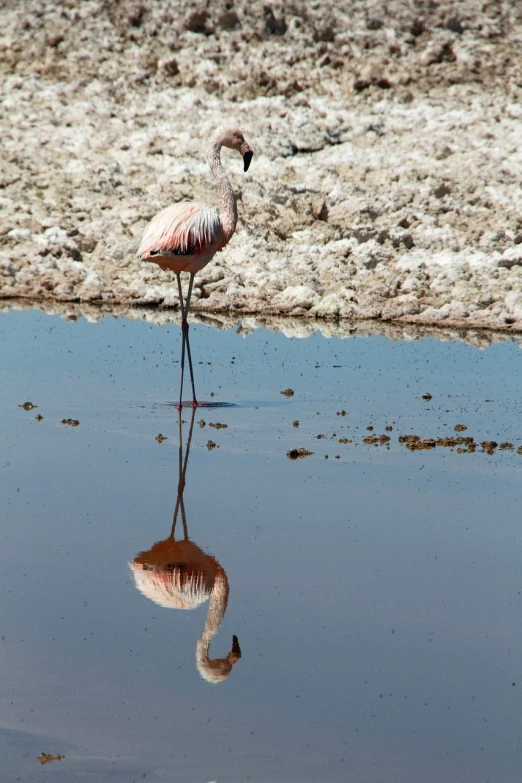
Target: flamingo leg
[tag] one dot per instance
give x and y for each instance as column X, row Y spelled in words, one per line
column 181, row 304
column 186, row 327
column 184, row 305
column 181, row 479
column 183, row 463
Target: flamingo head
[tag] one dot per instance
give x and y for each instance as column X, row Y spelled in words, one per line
column 234, row 140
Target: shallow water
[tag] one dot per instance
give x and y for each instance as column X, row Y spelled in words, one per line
column 376, row 595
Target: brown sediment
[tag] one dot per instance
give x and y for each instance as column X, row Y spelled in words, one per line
column 45, row 758
column 298, row 453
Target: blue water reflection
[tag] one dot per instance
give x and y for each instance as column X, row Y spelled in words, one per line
column 376, row 596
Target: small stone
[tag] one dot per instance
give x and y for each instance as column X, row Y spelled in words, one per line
column 228, row 20
column 273, row 25
column 442, row 190
column 197, row 22
column 455, row 25
column 298, row 453
column 170, row 67
column 45, row 758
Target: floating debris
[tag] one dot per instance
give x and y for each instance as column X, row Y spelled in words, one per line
column 460, row 441
column 416, row 443
column 489, row 446
column 71, row 422
column 374, row 440
column 419, row 445
column 288, row 392
column 298, row 453
column 28, row 406
column 160, row 438
column 45, row 758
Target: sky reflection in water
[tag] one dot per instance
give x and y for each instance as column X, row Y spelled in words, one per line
column 376, row 597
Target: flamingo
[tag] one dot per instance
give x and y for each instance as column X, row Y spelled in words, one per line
column 185, row 237
column 178, row 574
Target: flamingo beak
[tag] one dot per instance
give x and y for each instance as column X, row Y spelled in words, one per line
column 247, row 154
column 236, row 649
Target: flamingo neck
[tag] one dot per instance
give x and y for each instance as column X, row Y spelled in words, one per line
column 216, row 612
column 227, row 200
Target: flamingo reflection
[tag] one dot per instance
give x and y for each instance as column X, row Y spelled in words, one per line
column 177, row 574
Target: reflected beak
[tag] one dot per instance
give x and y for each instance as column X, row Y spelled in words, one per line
column 236, row 649
column 247, row 153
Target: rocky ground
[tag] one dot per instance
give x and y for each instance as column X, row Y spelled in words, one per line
column 387, row 139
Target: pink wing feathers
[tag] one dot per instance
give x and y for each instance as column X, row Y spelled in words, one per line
column 183, row 229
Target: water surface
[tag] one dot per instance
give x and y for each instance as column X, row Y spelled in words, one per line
column 376, row 592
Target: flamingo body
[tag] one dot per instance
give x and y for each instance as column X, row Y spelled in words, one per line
column 183, row 237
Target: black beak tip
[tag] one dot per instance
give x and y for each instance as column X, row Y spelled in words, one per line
column 236, row 649
column 247, row 157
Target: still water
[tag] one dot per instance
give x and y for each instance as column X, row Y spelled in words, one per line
column 374, row 590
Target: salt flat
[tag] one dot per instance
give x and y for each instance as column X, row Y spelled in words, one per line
column 386, row 176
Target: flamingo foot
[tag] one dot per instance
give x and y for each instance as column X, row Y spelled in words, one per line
column 194, row 404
